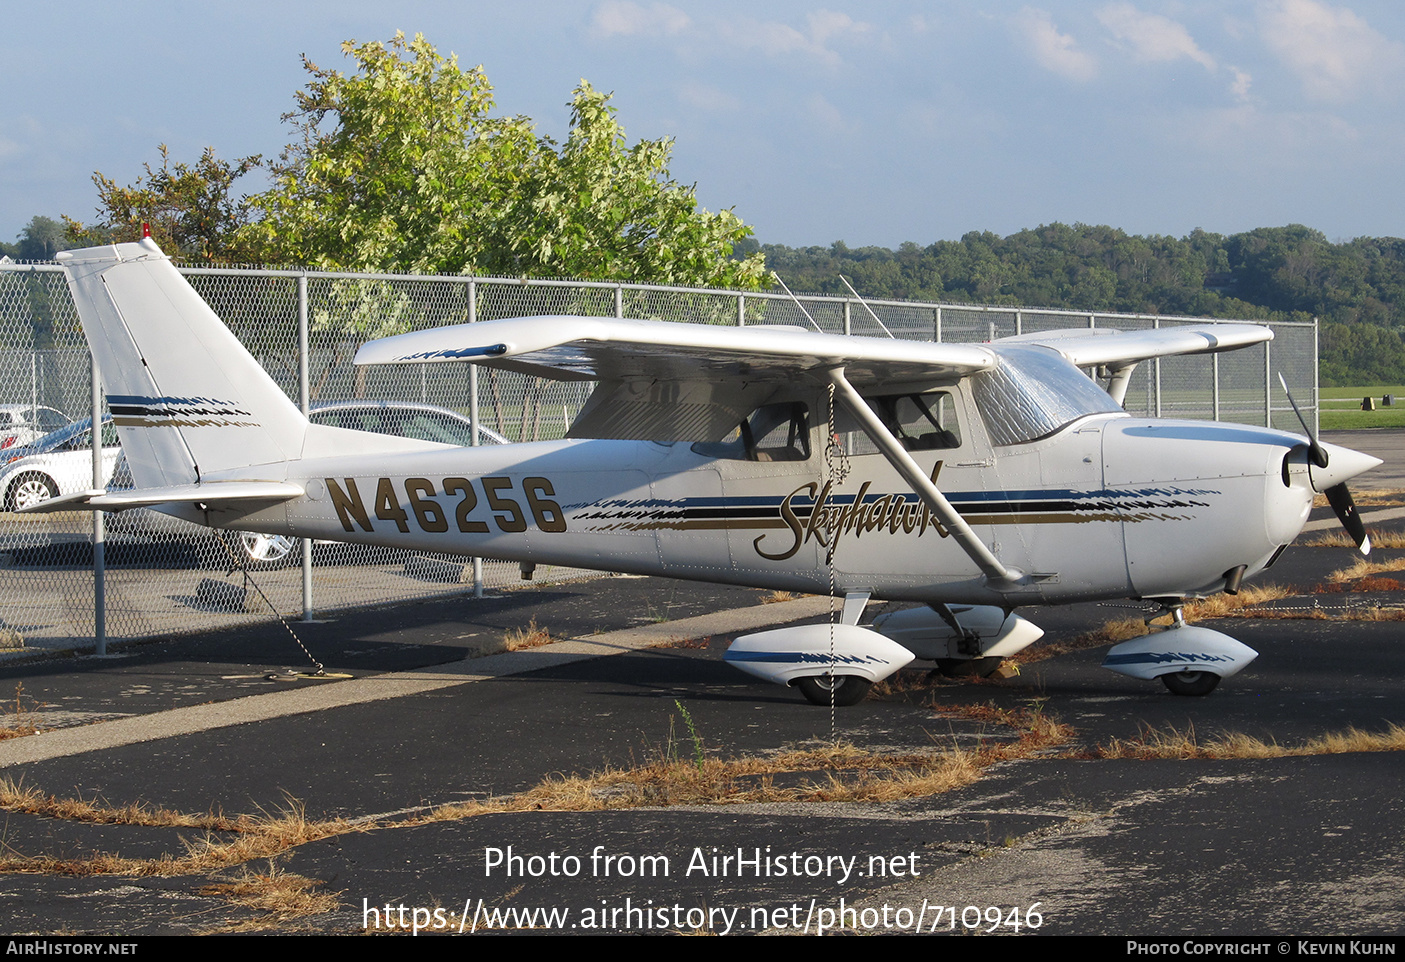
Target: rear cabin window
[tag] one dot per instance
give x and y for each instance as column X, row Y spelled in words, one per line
column 773, row 432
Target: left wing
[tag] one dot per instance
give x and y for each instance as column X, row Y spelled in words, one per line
column 667, row 381
column 607, row 348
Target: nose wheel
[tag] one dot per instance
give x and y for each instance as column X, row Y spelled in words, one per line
column 1192, row 683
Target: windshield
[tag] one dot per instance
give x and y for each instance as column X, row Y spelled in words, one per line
column 1033, row 392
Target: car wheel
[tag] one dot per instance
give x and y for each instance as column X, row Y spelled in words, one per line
column 28, row 489
column 269, row 550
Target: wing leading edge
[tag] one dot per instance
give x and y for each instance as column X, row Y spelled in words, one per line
column 613, row 349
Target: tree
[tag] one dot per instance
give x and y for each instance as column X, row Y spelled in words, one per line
column 41, row 239
column 400, row 167
column 191, row 208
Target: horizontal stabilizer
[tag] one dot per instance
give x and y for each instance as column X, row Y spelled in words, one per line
column 224, row 493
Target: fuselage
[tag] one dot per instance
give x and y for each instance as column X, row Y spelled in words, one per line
column 1108, row 506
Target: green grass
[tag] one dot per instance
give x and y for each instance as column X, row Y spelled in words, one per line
column 1341, row 408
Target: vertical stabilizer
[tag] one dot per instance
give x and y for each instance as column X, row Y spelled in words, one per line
column 187, row 398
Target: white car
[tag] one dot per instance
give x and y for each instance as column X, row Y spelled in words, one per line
column 56, row 464
column 22, row 423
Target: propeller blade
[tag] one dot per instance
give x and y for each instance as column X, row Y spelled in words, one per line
column 1340, row 500
column 1315, row 452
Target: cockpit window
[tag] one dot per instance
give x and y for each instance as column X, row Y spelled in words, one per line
column 1032, row 393
column 920, row 422
column 774, row 432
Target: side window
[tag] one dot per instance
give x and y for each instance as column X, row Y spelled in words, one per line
column 920, row 422
column 773, row 432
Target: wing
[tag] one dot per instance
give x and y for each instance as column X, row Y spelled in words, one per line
column 665, row 381
column 606, row 348
column 1087, row 347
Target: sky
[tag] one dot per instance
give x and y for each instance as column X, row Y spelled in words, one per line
column 872, row 123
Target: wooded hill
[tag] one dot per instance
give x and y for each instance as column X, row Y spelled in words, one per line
column 1356, row 288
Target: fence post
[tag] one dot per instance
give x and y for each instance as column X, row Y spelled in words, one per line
column 619, row 300
column 1268, row 385
column 1156, row 365
column 99, row 531
column 1215, row 386
column 741, row 310
column 473, row 422
column 305, row 402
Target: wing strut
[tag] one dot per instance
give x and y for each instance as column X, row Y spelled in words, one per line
column 999, row 576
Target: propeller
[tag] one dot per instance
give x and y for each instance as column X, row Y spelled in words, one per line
column 1337, row 494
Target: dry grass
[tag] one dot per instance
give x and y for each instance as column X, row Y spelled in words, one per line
column 15, row 796
column 1234, row 606
column 777, row 597
column 280, row 895
column 1173, row 743
column 1378, row 498
column 831, row 773
column 1365, row 568
column 1338, row 538
column 532, row 636
column 18, row 719
column 702, row 642
column 251, row 836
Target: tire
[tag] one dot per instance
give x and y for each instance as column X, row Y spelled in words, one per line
column 1191, row 683
column 29, row 488
column 847, row 689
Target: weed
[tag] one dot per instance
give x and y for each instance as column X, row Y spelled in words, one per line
column 778, row 597
column 692, row 733
column 20, row 719
column 532, row 636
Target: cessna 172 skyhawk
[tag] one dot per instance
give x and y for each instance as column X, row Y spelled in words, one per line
column 972, row 478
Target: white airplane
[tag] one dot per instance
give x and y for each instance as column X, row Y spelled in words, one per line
column 972, row 478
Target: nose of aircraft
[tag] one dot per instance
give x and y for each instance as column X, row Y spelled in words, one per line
column 1339, row 466
column 1343, row 464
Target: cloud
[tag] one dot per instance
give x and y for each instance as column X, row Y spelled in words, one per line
column 620, row 17
column 774, row 39
column 1054, row 51
column 1333, row 51
column 1242, row 81
column 1153, row 38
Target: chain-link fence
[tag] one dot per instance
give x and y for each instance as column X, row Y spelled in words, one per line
column 165, row 576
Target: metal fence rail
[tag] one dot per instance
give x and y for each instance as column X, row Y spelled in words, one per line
column 305, row 327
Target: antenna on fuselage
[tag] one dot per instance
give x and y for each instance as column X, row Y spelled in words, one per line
column 797, row 302
column 866, row 307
